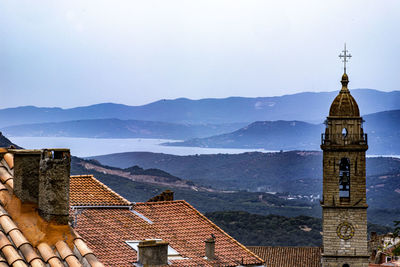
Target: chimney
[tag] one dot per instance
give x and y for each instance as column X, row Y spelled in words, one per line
column 153, row 253
column 53, row 195
column 167, row 195
column 26, row 174
column 210, row 248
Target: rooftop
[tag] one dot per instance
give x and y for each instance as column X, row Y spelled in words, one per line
column 26, row 239
column 289, row 256
column 85, row 190
column 109, row 229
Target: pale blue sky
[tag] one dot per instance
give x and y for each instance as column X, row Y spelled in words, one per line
column 72, row 53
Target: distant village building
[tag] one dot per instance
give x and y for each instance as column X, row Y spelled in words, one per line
column 344, row 206
column 381, row 249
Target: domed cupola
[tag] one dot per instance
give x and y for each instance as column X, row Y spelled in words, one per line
column 344, row 104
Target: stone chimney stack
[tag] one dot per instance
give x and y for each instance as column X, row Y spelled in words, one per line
column 26, row 174
column 54, row 175
column 210, row 248
column 153, row 253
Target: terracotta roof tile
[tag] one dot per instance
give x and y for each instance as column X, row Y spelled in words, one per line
column 4, row 240
column 46, row 252
column 11, row 254
column 17, row 237
column 9, row 158
column 2, row 187
column 85, row 190
column 63, row 250
column 289, row 256
column 19, row 263
column 37, row 263
column 176, row 222
column 7, row 224
column 82, row 247
column 29, row 253
column 4, row 175
column 66, row 254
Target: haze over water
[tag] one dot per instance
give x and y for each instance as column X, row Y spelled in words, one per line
column 85, row 147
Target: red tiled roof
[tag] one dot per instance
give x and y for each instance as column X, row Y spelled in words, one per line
column 85, row 190
column 289, row 256
column 176, row 222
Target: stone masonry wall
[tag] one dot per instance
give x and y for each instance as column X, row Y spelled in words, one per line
column 331, row 177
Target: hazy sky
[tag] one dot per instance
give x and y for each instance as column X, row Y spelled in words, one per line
column 72, row 53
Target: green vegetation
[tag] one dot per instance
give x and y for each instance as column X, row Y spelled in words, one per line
column 136, row 170
column 253, row 202
column 261, row 203
column 272, row 230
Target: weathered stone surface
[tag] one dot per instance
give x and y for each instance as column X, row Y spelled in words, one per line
column 153, row 253
column 210, row 248
column 344, row 218
column 26, row 176
column 54, row 185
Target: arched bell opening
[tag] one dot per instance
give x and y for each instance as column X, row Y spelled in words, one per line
column 344, row 179
column 344, row 132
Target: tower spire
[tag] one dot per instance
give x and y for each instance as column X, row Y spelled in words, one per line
column 345, row 57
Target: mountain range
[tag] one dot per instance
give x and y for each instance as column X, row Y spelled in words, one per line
column 116, row 128
column 309, row 107
column 382, row 128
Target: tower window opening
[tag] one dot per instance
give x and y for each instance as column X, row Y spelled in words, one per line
column 344, row 178
column 344, row 132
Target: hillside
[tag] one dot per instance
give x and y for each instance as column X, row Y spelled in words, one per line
column 296, row 174
column 139, row 189
column 142, row 189
column 311, row 107
column 270, row 135
column 383, row 131
column 272, row 230
column 5, row 142
column 115, row 128
column 294, row 171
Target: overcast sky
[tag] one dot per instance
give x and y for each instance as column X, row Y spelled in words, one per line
column 73, row 53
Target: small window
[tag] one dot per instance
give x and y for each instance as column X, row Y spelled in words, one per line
column 346, row 265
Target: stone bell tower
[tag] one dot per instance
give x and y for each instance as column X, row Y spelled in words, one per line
column 344, row 206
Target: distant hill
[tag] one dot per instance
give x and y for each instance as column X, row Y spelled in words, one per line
column 115, row 128
column 273, row 230
column 300, row 179
column 383, row 129
column 270, row 135
column 5, row 142
column 143, row 186
column 310, row 107
column 296, row 174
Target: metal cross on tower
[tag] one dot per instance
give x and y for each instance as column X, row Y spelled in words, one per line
column 344, row 57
